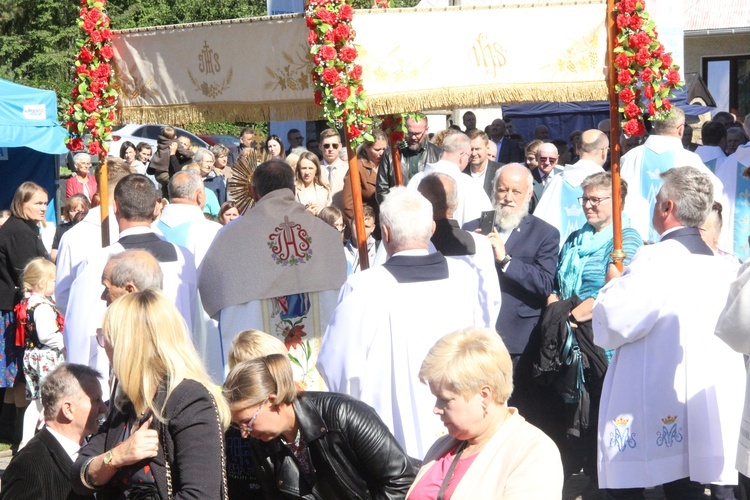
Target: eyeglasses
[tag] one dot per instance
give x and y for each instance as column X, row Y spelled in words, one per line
column 410, row 133
column 329, row 146
column 594, row 201
column 545, row 159
column 248, row 427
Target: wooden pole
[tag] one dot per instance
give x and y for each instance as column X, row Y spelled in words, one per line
column 617, row 255
column 359, row 213
column 104, row 199
column 396, row 156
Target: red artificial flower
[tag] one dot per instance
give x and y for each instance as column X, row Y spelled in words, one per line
column 106, row 33
column 634, row 127
column 330, row 36
column 318, row 97
column 627, row 95
column 348, row 54
column 327, row 53
column 666, row 104
column 93, row 15
column 666, row 60
column 648, row 91
column 71, row 109
column 651, row 108
column 310, row 22
column 91, row 122
column 397, row 136
column 109, row 100
column 636, row 22
column 346, row 12
column 354, row 131
column 658, row 51
column 95, row 147
column 82, row 69
column 96, row 86
column 325, row 15
column 102, row 71
column 341, row 92
column 96, row 36
column 317, row 60
column 647, row 75
column 111, row 116
column 331, row 76
column 312, row 37
column 342, row 31
column 623, row 21
column 624, row 77
column 643, row 57
column 90, row 104
column 360, row 89
column 356, row 72
column 622, row 61
column 88, row 26
column 632, row 110
column 639, row 40
column 86, row 56
column 107, row 52
column 626, row 6
column 75, row 144
column 673, row 77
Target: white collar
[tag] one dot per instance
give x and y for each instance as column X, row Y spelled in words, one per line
column 70, row 446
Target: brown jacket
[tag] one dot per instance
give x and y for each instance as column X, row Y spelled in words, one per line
column 368, row 174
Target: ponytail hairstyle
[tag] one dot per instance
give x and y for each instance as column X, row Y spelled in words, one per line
column 252, row 382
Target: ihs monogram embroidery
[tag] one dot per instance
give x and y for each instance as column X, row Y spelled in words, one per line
column 290, row 244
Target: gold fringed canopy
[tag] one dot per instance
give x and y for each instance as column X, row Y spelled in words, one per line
column 413, row 60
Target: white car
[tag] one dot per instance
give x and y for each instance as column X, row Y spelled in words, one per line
column 148, row 133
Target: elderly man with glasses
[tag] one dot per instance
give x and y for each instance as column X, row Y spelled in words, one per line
column 546, row 159
column 416, row 152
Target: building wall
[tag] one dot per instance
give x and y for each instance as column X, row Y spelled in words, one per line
column 697, row 47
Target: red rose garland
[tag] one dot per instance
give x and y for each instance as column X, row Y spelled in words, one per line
column 646, row 75
column 337, row 76
column 94, row 98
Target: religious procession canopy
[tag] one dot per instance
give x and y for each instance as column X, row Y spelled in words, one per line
column 260, row 69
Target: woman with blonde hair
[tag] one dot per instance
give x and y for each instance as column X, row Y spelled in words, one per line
column 491, row 451
column 312, row 444
column 311, row 190
column 163, row 437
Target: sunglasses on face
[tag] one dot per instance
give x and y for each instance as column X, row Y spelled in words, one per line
column 329, row 146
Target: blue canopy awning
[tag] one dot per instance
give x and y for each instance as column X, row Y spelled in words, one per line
column 28, row 118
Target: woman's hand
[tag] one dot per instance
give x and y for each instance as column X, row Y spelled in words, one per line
column 142, row 443
column 582, row 312
column 612, row 272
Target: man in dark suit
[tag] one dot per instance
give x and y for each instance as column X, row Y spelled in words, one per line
column 72, row 401
column 526, row 251
column 546, row 159
column 481, row 167
column 508, row 150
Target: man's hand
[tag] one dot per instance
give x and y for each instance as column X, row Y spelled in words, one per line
column 498, row 246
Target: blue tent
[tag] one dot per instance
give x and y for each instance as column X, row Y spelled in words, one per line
column 30, row 140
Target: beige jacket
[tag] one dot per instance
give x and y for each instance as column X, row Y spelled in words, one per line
column 519, row 462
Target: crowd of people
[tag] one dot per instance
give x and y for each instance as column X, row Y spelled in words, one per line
column 492, row 349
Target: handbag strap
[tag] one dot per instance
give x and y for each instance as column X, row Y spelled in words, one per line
column 224, row 489
column 570, row 343
column 451, row 470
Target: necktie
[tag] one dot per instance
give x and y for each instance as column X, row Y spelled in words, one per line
column 331, row 169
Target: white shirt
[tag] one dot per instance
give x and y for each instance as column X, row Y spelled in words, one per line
column 71, row 447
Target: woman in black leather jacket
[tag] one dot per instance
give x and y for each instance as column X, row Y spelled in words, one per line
column 311, row 444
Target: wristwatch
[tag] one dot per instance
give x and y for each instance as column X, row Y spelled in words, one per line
column 108, row 460
column 505, row 261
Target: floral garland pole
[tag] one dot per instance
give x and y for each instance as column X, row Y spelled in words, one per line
column 337, row 76
column 646, row 75
column 94, row 97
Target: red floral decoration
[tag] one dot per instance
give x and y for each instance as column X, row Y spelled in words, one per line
column 646, row 75
column 94, row 98
column 337, row 75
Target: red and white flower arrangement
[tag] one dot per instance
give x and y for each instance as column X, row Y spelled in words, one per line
column 646, row 75
column 336, row 75
column 94, row 97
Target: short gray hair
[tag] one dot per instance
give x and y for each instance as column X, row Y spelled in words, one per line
column 673, row 122
column 498, row 173
column 138, row 267
column 81, row 156
column 219, row 150
column 691, row 192
column 65, row 381
column 201, row 154
column 408, row 217
column 184, row 184
column 440, row 191
column 457, row 142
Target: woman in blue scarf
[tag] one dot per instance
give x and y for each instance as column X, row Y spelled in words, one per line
column 583, row 269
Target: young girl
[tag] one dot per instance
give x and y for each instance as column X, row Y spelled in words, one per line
column 39, row 329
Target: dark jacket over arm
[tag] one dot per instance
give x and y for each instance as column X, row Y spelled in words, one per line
column 193, row 446
column 353, row 453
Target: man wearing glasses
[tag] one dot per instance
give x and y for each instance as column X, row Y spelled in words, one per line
column 546, row 159
column 559, row 205
column 416, row 152
column 333, row 168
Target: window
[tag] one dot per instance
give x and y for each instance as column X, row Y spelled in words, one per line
column 728, row 79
